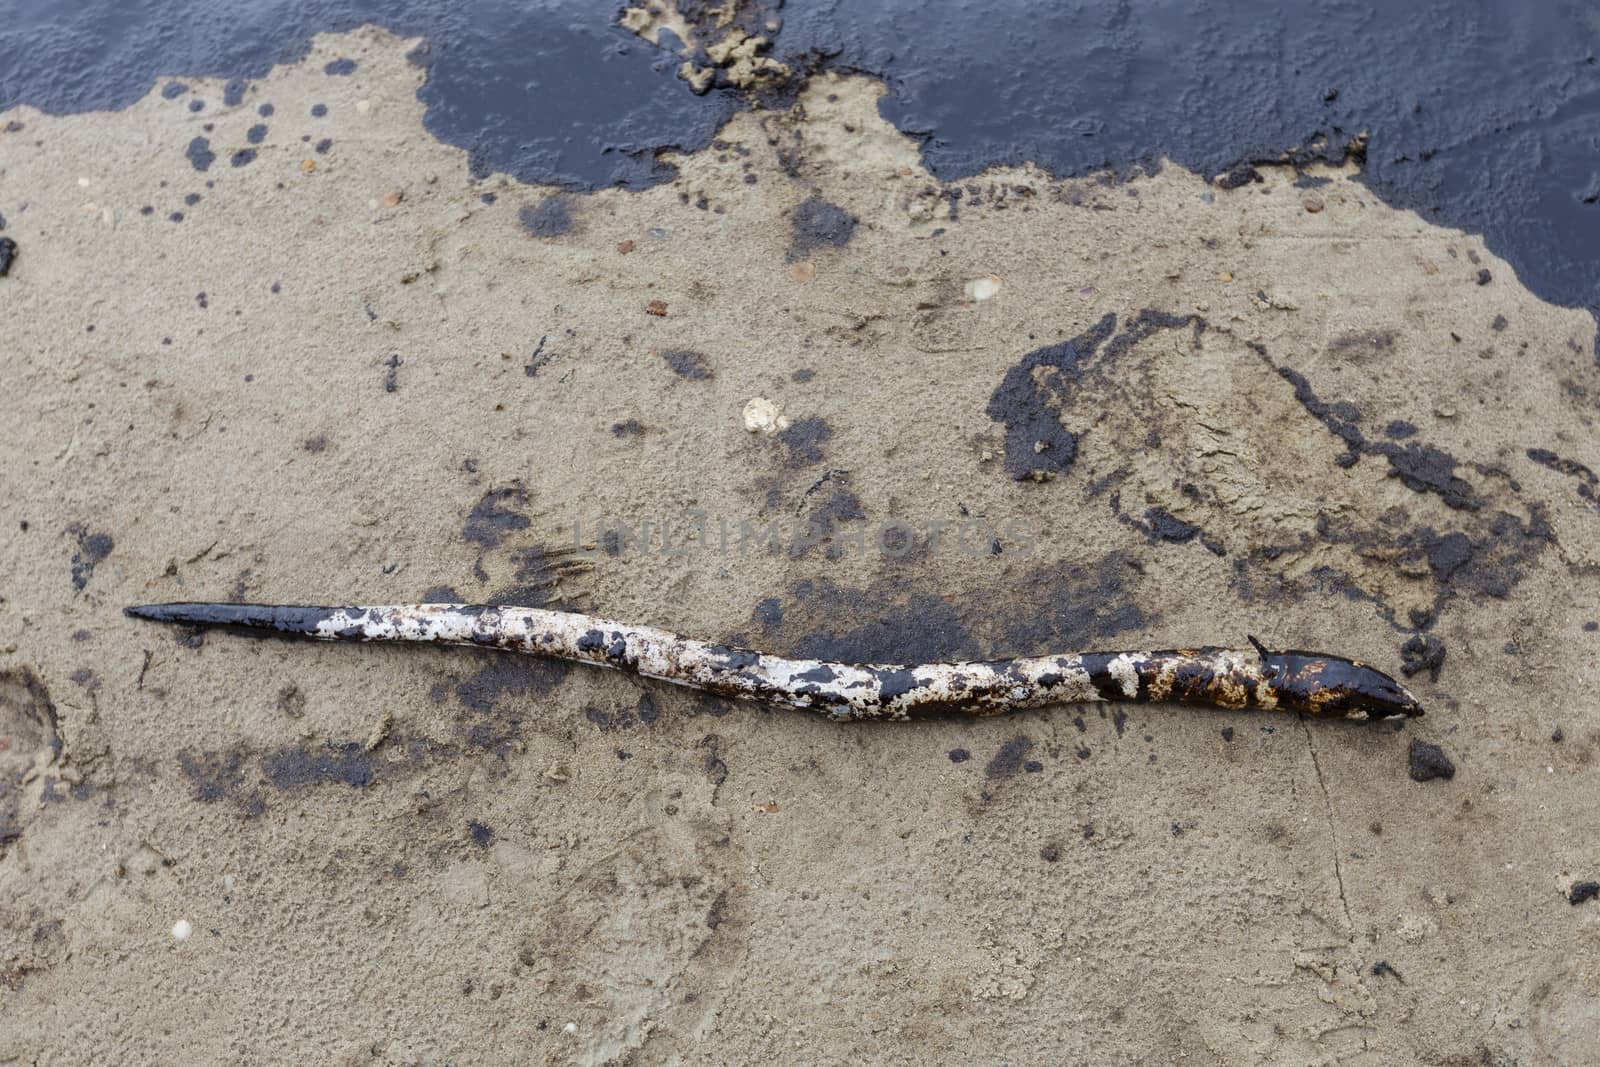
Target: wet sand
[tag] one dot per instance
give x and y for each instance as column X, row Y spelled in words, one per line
column 354, row 373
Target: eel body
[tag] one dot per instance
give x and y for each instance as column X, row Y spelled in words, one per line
column 1221, row 677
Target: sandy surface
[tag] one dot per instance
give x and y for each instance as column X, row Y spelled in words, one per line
column 346, row 377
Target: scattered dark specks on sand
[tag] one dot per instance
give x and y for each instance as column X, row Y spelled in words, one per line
column 627, row 428
column 550, row 217
column 257, row 133
column 8, row 255
column 688, row 364
column 482, row 834
column 1583, row 891
column 340, row 68
column 1009, row 759
column 92, row 549
column 391, row 374
column 1427, row 761
column 818, row 223
column 199, row 154
column 538, row 359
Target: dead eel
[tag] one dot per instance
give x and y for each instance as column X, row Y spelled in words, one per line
column 1309, row 682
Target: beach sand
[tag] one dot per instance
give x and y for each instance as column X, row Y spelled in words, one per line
column 355, row 373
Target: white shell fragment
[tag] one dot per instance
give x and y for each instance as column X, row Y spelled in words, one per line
column 762, row 416
column 982, row 288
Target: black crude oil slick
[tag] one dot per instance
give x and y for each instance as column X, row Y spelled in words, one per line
column 1477, row 116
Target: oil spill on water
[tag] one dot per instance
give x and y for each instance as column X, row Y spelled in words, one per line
column 1478, row 116
column 515, row 84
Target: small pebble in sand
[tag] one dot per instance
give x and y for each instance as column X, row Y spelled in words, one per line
column 803, row 272
column 624, row 247
column 657, row 308
column 182, row 929
column 364, row 106
column 1312, row 203
column 982, row 288
column 570, row 1028
column 393, row 199
column 83, row 183
column 762, row 416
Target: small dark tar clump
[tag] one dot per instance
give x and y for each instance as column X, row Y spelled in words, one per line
column 806, row 440
column 688, row 364
column 818, row 223
column 1427, row 761
column 1422, row 652
column 1009, row 759
column 199, row 153
column 1582, row 891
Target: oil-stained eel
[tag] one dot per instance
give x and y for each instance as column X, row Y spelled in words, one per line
column 1260, row 678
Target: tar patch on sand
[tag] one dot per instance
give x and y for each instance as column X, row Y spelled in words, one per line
column 1261, row 414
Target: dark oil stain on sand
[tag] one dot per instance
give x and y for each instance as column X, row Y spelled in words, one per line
column 1477, row 116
